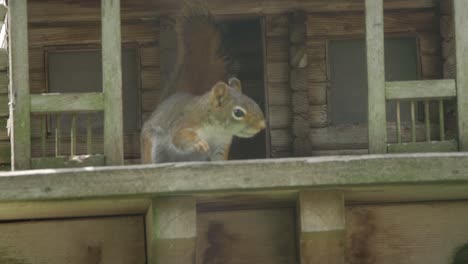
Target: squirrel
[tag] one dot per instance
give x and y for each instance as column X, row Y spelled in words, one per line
column 198, row 121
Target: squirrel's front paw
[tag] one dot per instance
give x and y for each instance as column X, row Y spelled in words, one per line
column 201, row 146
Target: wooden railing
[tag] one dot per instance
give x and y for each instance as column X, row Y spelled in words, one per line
column 23, row 104
column 425, row 91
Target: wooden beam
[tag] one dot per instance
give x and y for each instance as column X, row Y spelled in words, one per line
column 67, row 102
column 72, row 11
column 171, row 230
column 433, row 146
column 376, row 76
column 420, row 89
column 321, row 227
column 257, row 175
column 19, row 81
column 460, row 9
column 112, row 81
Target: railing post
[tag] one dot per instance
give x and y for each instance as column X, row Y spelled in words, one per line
column 112, row 81
column 376, row 77
column 20, row 133
column 461, row 51
column 171, row 230
column 321, row 217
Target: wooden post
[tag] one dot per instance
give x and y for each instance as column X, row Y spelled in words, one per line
column 376, row 76
column 461, row 48
column 112, row 81
column 20, row 134
column 171, row 230
column 321, row 227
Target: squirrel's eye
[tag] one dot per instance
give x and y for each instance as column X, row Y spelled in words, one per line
column 238, row 113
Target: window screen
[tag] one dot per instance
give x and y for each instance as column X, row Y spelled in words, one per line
column 348, row 73
column 80, row 71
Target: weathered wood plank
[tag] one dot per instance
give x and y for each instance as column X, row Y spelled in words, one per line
column 68, row 162
column 408, row 233
column 258, row 175
column 82, row 33
column 3, row 11
column 79, row 241
column 322, row 227
column 3, row 59
column 376, row 76
column 251, row 234
column 352, row 24
column 4, row 109
column 69, row 11
column 112, row 82
column 4, row 82
column 67, row 102
column 420, row 89
column 171, row 230
column 19, row 80
column 460, row 9
column 433, row 146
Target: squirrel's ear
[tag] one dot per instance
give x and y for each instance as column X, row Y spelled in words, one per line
column 235, row 83
column 218, row 93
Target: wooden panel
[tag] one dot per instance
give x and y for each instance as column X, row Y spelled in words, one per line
column 420, row 89
column 321, row 227
column 112, row 82
column 376, row 76
column 406, row 233
column 4, row 110
column 82, row 33
column 351, row 24
column 434, row 146
column 461, row 42
column 280, row 116
column 279, row 94
column 149, row 56
column 281, row 137
column 72, row 208
column 150, row 78
column 19, row 80
column 57, row 10
column 171, row 230
column 4, row 82
column 5, row 152
column 117, row 240
column 263, row 236
column 69, row 102
column 278, row 72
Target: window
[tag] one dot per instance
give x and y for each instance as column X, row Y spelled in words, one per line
column 348, row 73
column 80, row 71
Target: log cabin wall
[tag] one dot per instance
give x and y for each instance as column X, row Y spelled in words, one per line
column 298, row 127
column 84, row 33
column 313, row 132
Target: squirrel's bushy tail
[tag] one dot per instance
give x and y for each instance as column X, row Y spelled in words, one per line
column 202, row 54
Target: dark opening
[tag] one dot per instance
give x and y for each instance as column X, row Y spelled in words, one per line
column 245, row 41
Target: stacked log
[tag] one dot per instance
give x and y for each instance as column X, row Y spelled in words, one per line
column 280, row 115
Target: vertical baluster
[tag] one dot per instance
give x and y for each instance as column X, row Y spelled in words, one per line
column 413, row 121
column 427, row 120
column 89, row 134
column 398, row 121
column 441, row 120
column 43, row 135
column 73, row 135
column 57, row 134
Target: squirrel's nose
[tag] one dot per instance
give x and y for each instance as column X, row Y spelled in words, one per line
column 261, row 125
